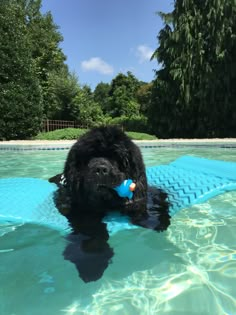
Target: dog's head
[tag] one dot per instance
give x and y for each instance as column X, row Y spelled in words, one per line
column 102, row 171
column 98, row 162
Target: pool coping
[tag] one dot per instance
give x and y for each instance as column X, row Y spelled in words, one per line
column 27, row 145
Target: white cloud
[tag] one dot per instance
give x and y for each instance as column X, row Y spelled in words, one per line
column 144, row 53
column 97, row 64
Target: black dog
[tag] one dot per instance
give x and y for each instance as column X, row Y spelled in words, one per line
column 99, row 161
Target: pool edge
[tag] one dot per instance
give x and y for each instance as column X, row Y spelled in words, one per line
column 36, row 145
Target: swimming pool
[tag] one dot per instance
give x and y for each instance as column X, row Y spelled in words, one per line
column 189, row 269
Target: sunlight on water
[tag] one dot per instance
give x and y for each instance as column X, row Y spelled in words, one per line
column 189, row 269
column 202, row 281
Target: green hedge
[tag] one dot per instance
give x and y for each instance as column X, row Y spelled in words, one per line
column 140, row 136
column 75, row 133
column 61, row 134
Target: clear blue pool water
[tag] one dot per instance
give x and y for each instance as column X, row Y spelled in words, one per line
column 189, row 269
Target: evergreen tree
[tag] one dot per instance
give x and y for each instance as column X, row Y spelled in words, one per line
column 194, row 92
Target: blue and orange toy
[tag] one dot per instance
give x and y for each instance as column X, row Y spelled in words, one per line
column 126, row 189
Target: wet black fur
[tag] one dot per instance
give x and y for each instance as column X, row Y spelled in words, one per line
column 99, row 161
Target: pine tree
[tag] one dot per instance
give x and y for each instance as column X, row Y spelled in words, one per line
column 194, row 93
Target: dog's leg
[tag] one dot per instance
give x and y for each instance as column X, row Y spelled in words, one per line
column 156, row 216
column 88, row 248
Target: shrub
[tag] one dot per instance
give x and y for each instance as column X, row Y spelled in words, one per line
column 74, row 133
column 61, row 134
column 140, row 136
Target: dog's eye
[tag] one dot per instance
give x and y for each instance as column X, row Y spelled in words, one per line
column 125, row 162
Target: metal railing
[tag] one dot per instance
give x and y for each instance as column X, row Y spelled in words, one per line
column 50, row 125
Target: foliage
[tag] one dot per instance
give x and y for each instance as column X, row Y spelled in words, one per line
column 123, row 96
column 126, row 96
column 55, row 92
column 61, row 134
column 74, row 133
column 193, row 94
column 20, row 93
column 48, row 57
column 88, row 113
column 62, row 88
column 194, row 91
column 101, row 96
column 140, row 136
column 143, row 96
column 133, row 123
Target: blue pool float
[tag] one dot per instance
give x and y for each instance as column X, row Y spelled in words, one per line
column 188, row 181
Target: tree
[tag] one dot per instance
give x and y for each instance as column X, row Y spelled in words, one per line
column 48, row 58
column 101, row 96
column 195, row 86
column 62, row 88
column 20, row 94
column 143, row 96
column 123, row 95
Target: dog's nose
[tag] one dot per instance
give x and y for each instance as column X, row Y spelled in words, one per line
column 102, row 170
column 100, row 167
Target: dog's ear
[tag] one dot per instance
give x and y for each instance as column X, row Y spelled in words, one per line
column 131, row 160
column 56, row 179
column 72, row 168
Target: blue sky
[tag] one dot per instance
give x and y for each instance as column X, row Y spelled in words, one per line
column 105, row 37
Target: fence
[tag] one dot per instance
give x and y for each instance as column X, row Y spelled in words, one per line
column 50, row 125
